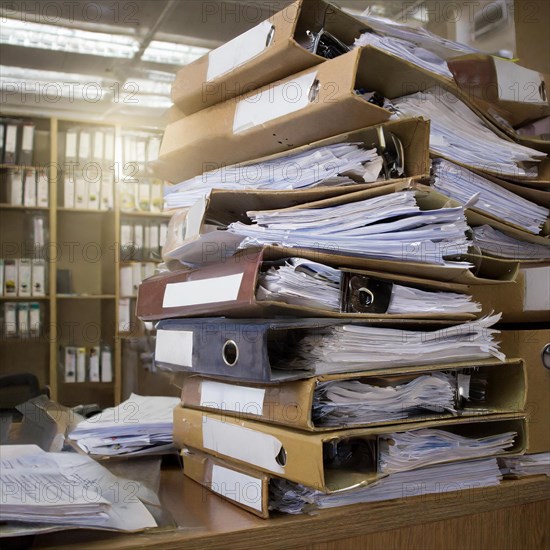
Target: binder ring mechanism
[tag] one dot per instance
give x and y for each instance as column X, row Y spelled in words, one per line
column 270, row 36
column 230, row 353
column 545, row 356
column 280, row 459
column 366, row 297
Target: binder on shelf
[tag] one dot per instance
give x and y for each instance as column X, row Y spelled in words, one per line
column 144, row 196
column 247, row 488
column 26, row 148
column 137, row 277
column 266, row 122
column 69, row 364
column 106, row 364
column 313, row 458
column 81, row 364
column 24, row 276
column 126, row 281
column 109, row 146
column 10, row 319
column 38, row 277
column 71, row 145
column 94, row 191
column 11, row 285
column 94, row 355
column 14, row 185
column 35, row 323
column 29, row 188
column 98, row 140
column 10, row 142
column 157, row 199
column 84, row 146
column 23, row 319
column 231, row 287
column 532, row 344
column 1, row 277
column 42, row 189
column 81, row 193
column 69, row 191
column 274, row 49
column 124, row 318
column 295, row 403
column 107, row 199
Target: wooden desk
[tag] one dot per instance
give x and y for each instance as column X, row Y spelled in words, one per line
column 513, row 516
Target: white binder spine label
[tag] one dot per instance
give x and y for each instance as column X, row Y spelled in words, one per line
column 227, row 397
column 205, row 291
column 241, row 443
column 175, row 347
column 236, row 486
column 238, row 51
column 536, row 295
column 273, row 102
column 28, row 136
column 11, row 139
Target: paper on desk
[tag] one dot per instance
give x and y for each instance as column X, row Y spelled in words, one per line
column 388, row 227
column 319, row 166
column 496, row 243
column 66, row 489
column 305, row 283
column 293, row 498
column 461, row 184
column 526, row 465
column 351, row 348
column 458, row 134
column 140, row 424
column 346, row 402
column 403, row 451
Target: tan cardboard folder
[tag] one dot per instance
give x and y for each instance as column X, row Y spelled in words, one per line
column 247, row 488
column 291, row 403
column 533, row 346
column 304, row 457
column 317, row 103
column 244, row 304
column 270, row 51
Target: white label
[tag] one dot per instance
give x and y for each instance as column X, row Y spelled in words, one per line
column 11, row 139
column 241, row 443
column 236, row 486
column 27, row 139
column 227, row 397
column 175, row 347
column 273, row 102
column 238, row 51
column 537, row 289
column 70, row 145
column 81, row 365
column 205, row 291
column 106, row 366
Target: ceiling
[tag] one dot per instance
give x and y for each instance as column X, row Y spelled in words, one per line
column 199, row 23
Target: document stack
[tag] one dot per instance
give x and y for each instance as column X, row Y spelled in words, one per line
column 331, row 301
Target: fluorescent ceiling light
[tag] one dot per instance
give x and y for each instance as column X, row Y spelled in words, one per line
column 143, row 86
column 150, row 102
column 65, row 39
column 172, row 53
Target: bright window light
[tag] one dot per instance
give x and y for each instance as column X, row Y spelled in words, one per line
column 143, row 86
column 152, row 102
column 65, row 39
column 172, row 53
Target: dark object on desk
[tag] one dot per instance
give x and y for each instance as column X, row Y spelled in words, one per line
column 16, row 389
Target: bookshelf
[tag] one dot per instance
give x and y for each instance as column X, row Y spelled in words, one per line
column 82, row 253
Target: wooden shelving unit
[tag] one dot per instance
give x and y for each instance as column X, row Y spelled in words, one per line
column 85, row 242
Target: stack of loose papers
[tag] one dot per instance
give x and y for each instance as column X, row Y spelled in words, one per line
column 341, row 403
column 458, row 134
column 140, row 425
column 338, row 164
column 352, row 348
column 311, row 284
column 294, row 498
column 66, row 489
column 407, row 50
column 526, row 465
column 461, row 184
column 391, row 227
column 419, row 448
column 496, row 243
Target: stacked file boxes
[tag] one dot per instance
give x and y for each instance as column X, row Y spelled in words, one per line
column 333, row 350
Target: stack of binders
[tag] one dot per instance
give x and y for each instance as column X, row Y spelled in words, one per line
column 331, row 301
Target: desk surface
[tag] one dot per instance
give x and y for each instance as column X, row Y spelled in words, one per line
column 206, row 521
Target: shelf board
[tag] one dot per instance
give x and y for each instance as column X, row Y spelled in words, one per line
column 5, row 206
column 23, row 298
column 21, row 166
column 86, row 296
column 35, row 340
column 83, row 210
column 127, row 213
column 88, row 384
